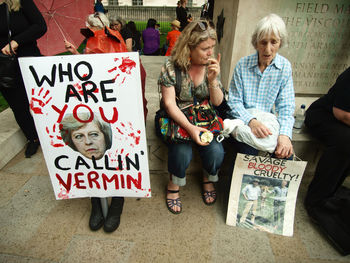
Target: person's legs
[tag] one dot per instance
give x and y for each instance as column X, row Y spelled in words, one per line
column 18, row 102
column 254, row 207
column 96, row 217
column 245, row 148
column 334, row 163
column 114, row 212
column 246, row 210
column 212, row 157
column 179, row 158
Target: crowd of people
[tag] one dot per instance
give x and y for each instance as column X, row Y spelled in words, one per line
column 262, row 81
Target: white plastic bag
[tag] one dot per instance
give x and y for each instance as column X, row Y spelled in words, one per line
column 243, row 133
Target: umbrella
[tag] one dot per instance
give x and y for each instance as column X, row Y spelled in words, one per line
column 64, row 18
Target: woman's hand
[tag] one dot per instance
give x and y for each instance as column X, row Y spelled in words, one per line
column 70, row 47
column 6, row 49
column 213, row 70
column 259, row 129
column 284, row 147
column 194, row 132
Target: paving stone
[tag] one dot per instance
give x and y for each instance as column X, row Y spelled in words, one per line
column 22, row 215
column 148, row 252
column 90, row 249
column 34, row 165
column 234, row 244
column 57, row 230
column 19, row 259
column 13, row 183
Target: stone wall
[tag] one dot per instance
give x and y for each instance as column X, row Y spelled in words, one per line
column 318, row 45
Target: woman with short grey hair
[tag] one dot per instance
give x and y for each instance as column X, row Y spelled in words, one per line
column 119, row 24
column 271, row 24
column 263, row 81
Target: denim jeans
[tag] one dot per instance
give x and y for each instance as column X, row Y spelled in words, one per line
column 180, row 156
column 247, row 149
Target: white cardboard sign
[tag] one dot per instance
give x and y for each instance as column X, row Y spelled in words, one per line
column 89, row 116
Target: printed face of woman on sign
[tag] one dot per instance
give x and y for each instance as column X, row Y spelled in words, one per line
column 89, row 141
column 87, row 133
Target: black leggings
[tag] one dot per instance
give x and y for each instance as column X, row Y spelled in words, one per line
column 17, row 99
column 334, row 164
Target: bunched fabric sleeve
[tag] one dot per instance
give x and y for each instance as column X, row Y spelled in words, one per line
column 235, row 98
column 285, row 102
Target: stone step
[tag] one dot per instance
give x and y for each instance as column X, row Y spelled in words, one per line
column 12, row 139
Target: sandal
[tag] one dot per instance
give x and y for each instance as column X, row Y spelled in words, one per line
column 170, row 203
column 208, row 194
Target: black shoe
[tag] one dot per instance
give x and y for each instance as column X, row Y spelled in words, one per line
column 96, row 217
column 113, row 217
column 32, row 147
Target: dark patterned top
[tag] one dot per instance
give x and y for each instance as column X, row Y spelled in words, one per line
column 167, row 79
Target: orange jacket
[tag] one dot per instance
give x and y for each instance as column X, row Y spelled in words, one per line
column 105, row 41
column 171, row 38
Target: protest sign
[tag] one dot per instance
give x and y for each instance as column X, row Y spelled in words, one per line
column 263, row 193
column 89, row 116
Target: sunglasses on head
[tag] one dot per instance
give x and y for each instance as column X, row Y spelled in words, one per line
column 203, row 25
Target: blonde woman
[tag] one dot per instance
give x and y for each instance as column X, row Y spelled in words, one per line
column 193, row 54
column 27, row 25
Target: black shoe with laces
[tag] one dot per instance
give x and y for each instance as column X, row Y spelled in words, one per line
column 32, row 148
column 114, row 212
column 96, row 217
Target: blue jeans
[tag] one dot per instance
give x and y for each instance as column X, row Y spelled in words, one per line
column 247, row 149
column 180, row 156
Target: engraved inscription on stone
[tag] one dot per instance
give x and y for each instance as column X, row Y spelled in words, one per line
column 318, row 42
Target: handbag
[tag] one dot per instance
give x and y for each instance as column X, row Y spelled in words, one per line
column 200, row 114
column 8, row 64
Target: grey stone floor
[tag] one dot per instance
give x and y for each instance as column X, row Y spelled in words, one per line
column 34, row 227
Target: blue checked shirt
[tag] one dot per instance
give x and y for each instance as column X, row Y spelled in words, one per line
column 250, row 88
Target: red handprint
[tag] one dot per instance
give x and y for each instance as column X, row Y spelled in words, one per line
column 56, row 138
column 125, row 67
column 129, row 134
column 38, row 102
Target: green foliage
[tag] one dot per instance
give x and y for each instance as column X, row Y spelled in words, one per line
column 164, row 29
column 3, row 103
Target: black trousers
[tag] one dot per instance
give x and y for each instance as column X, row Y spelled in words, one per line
column 17, row 99
column 334, row 164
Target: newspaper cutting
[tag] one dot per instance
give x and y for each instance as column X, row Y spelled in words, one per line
column 263, row 193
